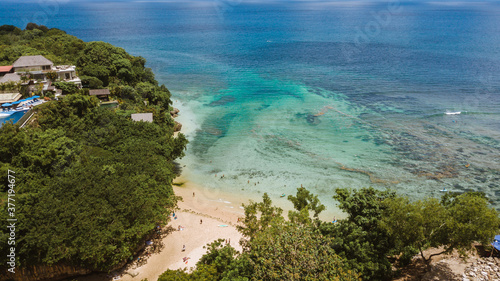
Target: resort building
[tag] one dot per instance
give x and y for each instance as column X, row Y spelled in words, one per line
column 9, row 97
column 10, row 77
column 6, row 69
column 32, row 63
column 146, row 117
column 33, row 72
column 38, row 67
column 102, row 94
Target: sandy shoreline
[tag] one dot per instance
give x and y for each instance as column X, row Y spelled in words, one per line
column 218, row 218
column 218, row 211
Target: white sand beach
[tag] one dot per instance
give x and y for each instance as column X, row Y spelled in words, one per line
column 218, row 217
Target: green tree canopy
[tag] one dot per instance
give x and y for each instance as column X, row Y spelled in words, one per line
column 112, row 64
column 455, row 222
column 359, row 238
column 303, row 203
column 67, row 87
column 92, row 184
column 54, row 44
column 259, row 216
column 287, row 251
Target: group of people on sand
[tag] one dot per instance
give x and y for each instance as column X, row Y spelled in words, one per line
column 179, row 228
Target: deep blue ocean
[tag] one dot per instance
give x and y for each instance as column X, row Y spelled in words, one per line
column 318, row 94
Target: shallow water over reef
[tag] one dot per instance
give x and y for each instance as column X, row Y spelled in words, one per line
column 277, row 96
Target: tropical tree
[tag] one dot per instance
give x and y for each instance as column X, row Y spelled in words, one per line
column 359, row 239
column 67, row 87
column 91, row 82
column 455, row 223
column 419, row 224
column 287, row 251
column 304, row 202
column 259, row 216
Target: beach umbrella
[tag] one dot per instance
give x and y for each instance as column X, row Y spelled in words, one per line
column 496, row 242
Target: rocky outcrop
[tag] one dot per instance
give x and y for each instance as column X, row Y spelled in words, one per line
column 177, row 127
column 174, row 113
column 482, row 270
column 44, row 272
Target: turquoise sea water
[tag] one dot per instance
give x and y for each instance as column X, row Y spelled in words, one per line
column 323, row 95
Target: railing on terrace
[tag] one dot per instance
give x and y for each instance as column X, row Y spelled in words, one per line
column 26, row 117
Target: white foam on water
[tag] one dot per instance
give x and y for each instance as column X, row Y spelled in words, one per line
column 275, row 149
column 191, row 121
column 280, row 136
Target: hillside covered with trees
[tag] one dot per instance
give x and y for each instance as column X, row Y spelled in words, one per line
column 90, row 185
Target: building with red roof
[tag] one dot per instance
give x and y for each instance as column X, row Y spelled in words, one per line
column 6, row 69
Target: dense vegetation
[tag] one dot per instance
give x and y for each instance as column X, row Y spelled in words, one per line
column 54, row 44
column 91, row 185
column 379, row 224
column 452, row 222
column 99, row 65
